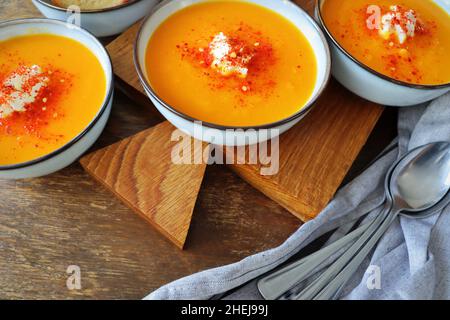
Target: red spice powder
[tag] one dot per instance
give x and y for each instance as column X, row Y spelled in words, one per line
column 396, row 63
column 249, row 50
column 44, row 109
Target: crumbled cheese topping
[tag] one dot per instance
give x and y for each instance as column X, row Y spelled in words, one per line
column 225, row 60
column 20, row 89
column 398, row 22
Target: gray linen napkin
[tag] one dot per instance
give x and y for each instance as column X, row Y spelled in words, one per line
column 413, row 256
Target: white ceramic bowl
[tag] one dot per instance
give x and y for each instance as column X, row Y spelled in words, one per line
column 225, row 135
column 80, row 144
column 372, row 85
column 104, row 22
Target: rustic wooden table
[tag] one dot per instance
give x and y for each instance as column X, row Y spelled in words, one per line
column 49, row 223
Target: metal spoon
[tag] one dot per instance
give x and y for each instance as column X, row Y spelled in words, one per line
column 419, row 182
column 277, row 284
column 417, row 186
column 441, row 205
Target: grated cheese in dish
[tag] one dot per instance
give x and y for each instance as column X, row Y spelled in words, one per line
column 225, row 60
column 21, row 89
column 399, row 22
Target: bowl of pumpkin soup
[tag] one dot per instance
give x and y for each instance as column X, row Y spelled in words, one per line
column 56, row 88
column 390, row 52
column 101, row 17
column 219, row 69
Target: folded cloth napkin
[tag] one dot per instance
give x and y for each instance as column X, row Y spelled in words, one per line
column 412, row 257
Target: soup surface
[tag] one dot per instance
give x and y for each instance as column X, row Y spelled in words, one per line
column 51, row 88
column 408, row 40
column 231, row 63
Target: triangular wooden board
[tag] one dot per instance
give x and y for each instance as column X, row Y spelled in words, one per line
column 140, row 171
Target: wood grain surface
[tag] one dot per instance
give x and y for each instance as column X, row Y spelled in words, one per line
column 139, row 170
column 67, row 218
column 315, row 155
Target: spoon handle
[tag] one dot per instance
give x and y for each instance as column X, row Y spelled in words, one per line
column 336, row 285
column 322, row 281
column 276, row 284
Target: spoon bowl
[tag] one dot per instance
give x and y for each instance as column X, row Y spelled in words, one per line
column 429, row 212
column 419, row 182
column 421, row 179
column 417, row 186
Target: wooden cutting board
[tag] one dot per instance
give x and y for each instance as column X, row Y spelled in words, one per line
column 315, row 155
column 139, row 171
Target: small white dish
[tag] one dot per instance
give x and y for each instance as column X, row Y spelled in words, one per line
column 234, row 136
column 104, row 22
column 70, row 152
column 372, row 85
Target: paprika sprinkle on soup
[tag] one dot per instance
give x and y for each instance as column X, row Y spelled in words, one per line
column 239, row 59
column 47, row 97
column 29, row 96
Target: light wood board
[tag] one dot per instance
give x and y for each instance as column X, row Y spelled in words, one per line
column 139, row 171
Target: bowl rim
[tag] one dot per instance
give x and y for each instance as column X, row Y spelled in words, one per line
column 366, row 67
column 302, row 112
column 121, row 6
column 100, row 113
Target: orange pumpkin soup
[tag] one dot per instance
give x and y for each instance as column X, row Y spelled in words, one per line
column 407, row 40
column 229, row 63
column 51, row 88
